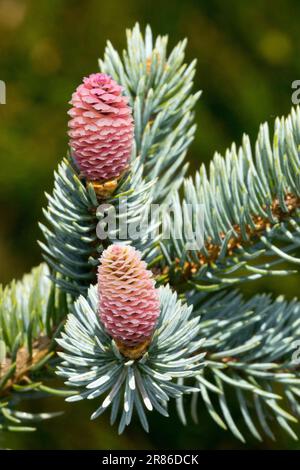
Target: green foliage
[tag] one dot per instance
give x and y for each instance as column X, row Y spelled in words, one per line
column 30, row 311
column 93, row 363
column 250, row 208
column 250, row 349
column 24, row 311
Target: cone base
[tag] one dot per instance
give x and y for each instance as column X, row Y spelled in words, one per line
column 104, row 189
column 134, row 352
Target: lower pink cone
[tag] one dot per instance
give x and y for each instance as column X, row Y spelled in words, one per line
column 128, row 301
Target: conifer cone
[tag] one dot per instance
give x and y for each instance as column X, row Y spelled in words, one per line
column 128, row 301
column 101, row 128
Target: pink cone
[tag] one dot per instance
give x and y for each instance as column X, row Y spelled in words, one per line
column 128, row 302
column 101, row 128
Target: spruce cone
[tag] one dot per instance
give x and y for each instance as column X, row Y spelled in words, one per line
column 101, row 128
column 128, row 302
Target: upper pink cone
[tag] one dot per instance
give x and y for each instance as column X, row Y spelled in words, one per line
column 128, row 301
column 101, row 128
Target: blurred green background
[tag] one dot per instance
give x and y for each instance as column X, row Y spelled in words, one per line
column 248, row 56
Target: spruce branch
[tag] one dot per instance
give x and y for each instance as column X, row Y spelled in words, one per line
column 251, row 205
column 250, row 348
column 92, row 361
column 129, row 339
column 30, row 311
